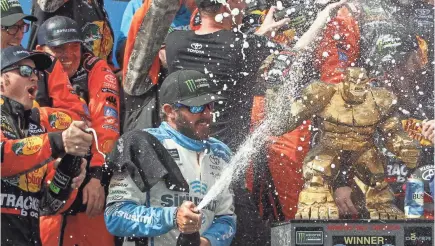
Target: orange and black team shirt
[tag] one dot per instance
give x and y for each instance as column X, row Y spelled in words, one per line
column 56, row 91
column 92, row 93
column 97, row 85
column 27, row 152
column 91, row 17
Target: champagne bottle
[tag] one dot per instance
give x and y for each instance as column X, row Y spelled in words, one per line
column 69, row 168
column 192, row 239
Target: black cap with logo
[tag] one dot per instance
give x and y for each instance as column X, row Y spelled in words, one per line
column 188, row 87
column 59, row 30
column 13, row 54
column 11, row 13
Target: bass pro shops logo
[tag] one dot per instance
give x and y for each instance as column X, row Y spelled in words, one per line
column 27, row 146
column 59, row 120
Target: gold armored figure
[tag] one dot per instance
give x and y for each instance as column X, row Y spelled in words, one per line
column 349, row 113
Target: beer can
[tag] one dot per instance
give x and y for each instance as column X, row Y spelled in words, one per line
column 414, row 202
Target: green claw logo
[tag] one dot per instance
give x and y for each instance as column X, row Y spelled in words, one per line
column 5, row 5
column 191, row 85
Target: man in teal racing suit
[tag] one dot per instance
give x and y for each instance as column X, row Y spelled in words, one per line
column 144, row 201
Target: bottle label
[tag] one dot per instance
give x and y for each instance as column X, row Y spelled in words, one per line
column 61, row 180
column 54, row 188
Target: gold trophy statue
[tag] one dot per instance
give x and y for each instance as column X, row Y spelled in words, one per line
column 349, row 113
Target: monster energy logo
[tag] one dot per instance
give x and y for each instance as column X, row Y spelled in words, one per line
column 309, row 237
column 5, row 5
column 191, row 85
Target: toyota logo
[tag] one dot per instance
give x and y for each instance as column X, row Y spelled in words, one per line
column 196, row 46
column 422, row 11
column 110, row 78
column 426, row 175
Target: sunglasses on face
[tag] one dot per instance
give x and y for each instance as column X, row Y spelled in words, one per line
column 12, row 30
column 196, row 109
column 25, row 71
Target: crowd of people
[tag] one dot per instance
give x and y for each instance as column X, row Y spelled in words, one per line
column 194, row 78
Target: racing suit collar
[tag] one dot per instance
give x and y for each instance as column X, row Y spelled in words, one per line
column 165, row 131
column 188, row 143
column 15, row 109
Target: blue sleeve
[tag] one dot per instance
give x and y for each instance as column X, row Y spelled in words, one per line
column 127, row 219
column 222, row 231
column 129, row 12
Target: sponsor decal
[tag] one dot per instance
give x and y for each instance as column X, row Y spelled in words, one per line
column 20, row 205
column 133, row 217
column 5, row 126
column 421, row 236
column 10, row 135
column 112, row 101
column 191, row 85
column 214, row 160
column 110, row 86
column 91, row 61
column 175, row 200
column 117, row 184
column 111, row 121
column 305, row 237
column 35, row 129
column 110, row 112
column 65, row 30
column 108, row 146
column 32, row 181
column 118, row 192
column 198, row 187
column 60, row 181
column 59, row 120
column 363, row 240
column 196, row 46
column 55, row 204
column 111, row 79
column 107, row 90
column 195, row 51
column 110, row 127
column 422, row 12
column 174, row 154
column 27, row 146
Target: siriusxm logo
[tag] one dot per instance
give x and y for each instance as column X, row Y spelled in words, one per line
column 198, row 187
column 169, row 200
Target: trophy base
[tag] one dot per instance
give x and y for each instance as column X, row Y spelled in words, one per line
column 353, row 232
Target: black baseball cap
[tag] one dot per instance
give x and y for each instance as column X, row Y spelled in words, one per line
column 11, row 13
column 59, row 30
column 188, row 87
column 13, row 54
